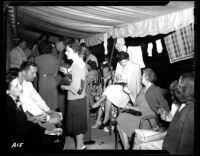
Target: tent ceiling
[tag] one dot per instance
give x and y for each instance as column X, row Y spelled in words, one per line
column 87, row 21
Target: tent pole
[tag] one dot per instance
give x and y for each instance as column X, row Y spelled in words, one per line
column 111, row 57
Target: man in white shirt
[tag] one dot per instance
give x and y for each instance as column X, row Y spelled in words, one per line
column 17, row 55
column 31, row 100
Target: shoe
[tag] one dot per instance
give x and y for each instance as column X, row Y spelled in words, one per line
column 84, row 147
column 106, row 129
column 96, row 125
column 90, row 142
column 103, row 125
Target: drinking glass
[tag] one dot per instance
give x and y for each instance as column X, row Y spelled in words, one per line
column 58, row 132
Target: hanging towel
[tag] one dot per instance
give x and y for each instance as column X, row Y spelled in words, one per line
column 120, row 41
column 135, row 55
column 119, row 44
column 105, row 36
column 149, row 49
column 124, row 48
column 180, row 44
column 159, row 46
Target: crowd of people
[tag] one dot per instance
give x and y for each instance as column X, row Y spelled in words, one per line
column 58, row 85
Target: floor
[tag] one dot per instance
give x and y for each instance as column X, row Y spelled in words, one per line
column 103, row 140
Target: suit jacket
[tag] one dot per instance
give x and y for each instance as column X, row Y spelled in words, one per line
column 19, row 129
column 180, row 135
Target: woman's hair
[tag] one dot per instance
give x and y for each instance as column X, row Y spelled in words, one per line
column 61, row 39
column 92, row 65
column 122, row 56
column 45, row 47
column 10, row 76
column 81, row 46
column 75, row 46
column 172, row 88
column 185, row 89
column 150, row 74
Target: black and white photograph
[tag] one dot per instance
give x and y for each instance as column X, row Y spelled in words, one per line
column 99, row 77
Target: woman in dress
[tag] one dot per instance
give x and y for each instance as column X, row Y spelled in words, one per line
column 154, row 139
column 47, row 69
column 126, row 72
column 127, row 123
column 92, row 81
column 76, row 115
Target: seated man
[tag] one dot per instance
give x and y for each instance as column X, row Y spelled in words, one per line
column 29, row 135
column 32, row 103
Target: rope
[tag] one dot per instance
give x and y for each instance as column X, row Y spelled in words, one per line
column 111, row 57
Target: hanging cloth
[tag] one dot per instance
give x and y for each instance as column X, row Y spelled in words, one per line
column 105, row 44
column 135, row 55
column 149, row 49
column 159, row 46
column 124, row 48
column 119, row 44
column 180, row 44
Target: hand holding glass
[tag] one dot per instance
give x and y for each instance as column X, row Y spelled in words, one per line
column 58, row 132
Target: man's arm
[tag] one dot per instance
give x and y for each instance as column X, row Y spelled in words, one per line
column 38, row 99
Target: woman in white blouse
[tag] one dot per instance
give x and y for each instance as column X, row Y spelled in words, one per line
column 127, row 73
column 76, row 115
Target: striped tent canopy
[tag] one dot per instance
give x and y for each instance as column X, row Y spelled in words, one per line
column 94, row 23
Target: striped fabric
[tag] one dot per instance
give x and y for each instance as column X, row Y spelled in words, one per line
column 180, row 44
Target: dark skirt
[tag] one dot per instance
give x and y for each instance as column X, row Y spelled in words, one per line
column 76, row 117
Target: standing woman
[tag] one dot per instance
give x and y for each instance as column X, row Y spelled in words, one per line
column 47, row 69
column 76, row 115
column 126, row 72
column 60, row 46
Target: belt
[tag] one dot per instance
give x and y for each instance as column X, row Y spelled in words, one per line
column 48, row 75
